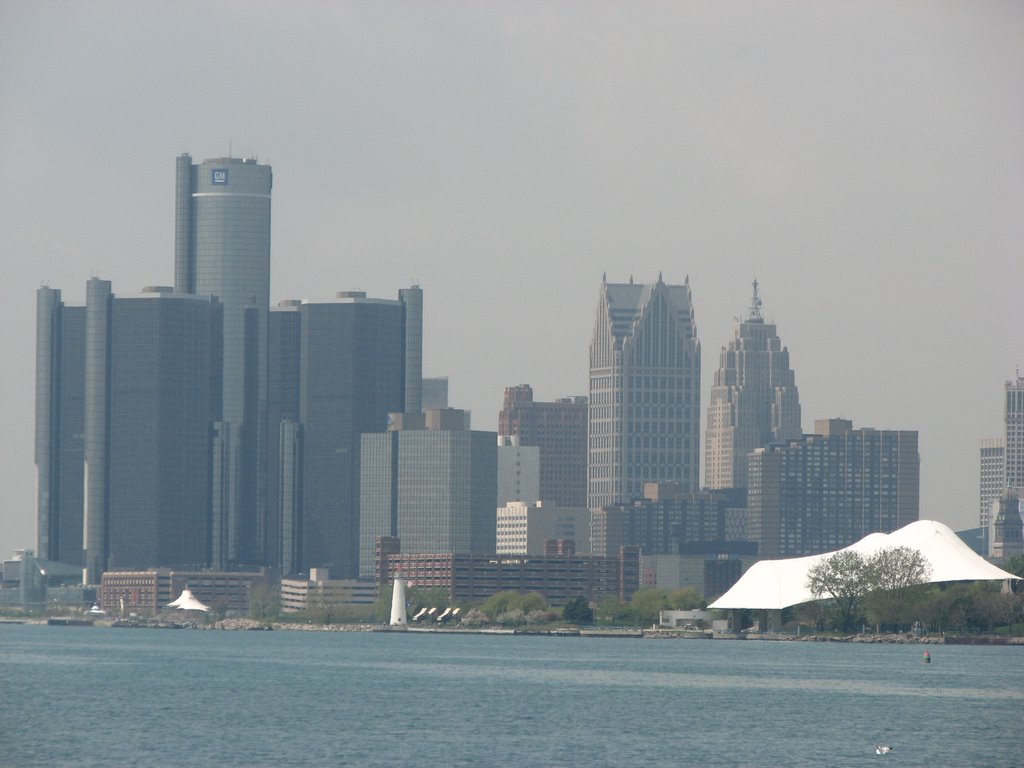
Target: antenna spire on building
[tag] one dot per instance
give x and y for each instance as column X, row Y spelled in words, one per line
column 755, row 304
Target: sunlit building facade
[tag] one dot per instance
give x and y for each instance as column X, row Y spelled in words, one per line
column 644, row 404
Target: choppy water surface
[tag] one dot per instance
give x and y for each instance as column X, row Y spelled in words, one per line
column 82, row 696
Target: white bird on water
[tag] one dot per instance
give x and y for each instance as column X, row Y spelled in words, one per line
column 881, row 749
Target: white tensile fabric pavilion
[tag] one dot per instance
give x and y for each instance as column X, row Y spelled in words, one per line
column 776, row 584
column 186, row 602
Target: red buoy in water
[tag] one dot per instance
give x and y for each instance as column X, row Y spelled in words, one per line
column 927, row 658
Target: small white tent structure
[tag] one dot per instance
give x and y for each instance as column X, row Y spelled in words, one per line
column 186, row 602
column 776, row 584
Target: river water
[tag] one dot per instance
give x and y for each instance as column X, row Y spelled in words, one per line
column 90, row 696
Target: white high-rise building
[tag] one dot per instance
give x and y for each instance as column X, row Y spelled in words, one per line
column 754, row 400
column 518, row 471
column 644, row 405
column 992, row 478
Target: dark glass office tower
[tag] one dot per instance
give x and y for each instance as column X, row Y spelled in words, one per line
column 284, row 437
column 352, row 377
column 222, row 249
column 128, row 391
column 60, row 444
column 164, row 395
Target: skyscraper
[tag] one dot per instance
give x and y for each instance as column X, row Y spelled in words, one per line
column 284, row 437
column 1013, row 414
column 222, row 249
column 559, row 429
column 754, row 400
column 827, row 490
column 431, row 482
column 992, row 478
column 128, row 388
column 352, row 376
column 60, row 426
column 644, row 407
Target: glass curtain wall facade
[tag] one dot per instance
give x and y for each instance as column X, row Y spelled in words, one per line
column 127, row 391
column 283, row 476
column 60, row 427
column 432, row 488
column 352, row 376
column 222, row 249
column 644, row 405
column 163, row 349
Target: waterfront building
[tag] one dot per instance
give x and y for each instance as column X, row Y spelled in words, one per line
column 222, row 249
column 754, row 400
column 148, row 591
column 992, row 478
column 559, row 430
column 518, row 471
column 559, row 578
column 321, row 591
column 644, row 405
column 60, row 428
column 431, row 482
column 828, row 490
column 525, row 528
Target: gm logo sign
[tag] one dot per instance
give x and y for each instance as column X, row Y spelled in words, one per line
column 219, row 176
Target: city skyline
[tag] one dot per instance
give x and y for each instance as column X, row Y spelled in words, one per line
column 860, row 161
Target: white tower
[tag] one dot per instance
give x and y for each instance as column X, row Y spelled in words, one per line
column 398, row 615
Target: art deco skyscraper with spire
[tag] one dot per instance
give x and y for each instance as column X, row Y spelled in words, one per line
column 754, row 400
column 644, row 407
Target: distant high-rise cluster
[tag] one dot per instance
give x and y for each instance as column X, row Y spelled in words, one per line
column 196, row 427
column 193, row 427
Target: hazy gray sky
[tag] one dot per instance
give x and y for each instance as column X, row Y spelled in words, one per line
column 864, row 160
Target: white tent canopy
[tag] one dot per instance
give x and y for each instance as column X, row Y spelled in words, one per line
column 776, row 584
column 186, row 602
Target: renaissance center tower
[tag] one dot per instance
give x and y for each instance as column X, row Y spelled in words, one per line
column 222, row 249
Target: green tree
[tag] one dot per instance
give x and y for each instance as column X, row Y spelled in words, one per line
column 431, row 597
column 578, row 611
column 1015, row 565
column 686, row 599
column 840, row 577
column 264, row 601
column 647, row 603
column 894, row 577
column 511, row 604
